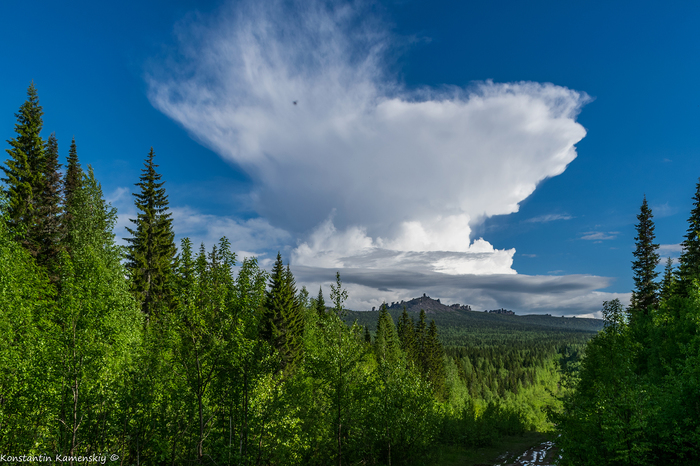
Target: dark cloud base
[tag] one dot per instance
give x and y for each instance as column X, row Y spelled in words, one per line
column 559, row 295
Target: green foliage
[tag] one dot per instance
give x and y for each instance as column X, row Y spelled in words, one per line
column 25, row 385
column 241, row 368
column 646, row 259
column 151, row 247
column 49, row 228
column 23, row 171
column 282, row 325
column 690, row 257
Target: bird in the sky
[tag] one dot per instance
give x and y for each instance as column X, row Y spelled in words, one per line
column 295, row 102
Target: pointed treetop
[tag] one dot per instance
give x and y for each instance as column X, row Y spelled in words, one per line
column 690, row 257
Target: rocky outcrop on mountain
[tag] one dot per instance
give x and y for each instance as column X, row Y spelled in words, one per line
column 428, row 304
column 502, row 311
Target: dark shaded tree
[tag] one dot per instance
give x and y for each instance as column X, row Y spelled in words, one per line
column 690, row 257
column 23, row 170
column 669, row 280
column 407, row 337
column 320, row 303
column 282, row 323
column 48, row 230
column 72, row 183
column 151, row 248
column 434, row 361
column 646, row 259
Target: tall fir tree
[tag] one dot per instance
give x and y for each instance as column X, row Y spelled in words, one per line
column 646, row 293
column 434, row 361
column 421, row 336
column 73, row 183
column 23, row 170
column 668, row 282
column 320, row 303
column 282, row 322
column 386, row 340
column 48, row 230
column 690, row 257
column 407, row 337
column 151, row 249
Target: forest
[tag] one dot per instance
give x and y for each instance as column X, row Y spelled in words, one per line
column 635, row 396
column 156, row 353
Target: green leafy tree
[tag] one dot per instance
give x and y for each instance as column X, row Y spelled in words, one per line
column 26, row 385
column 338, row 297
column 151, row 248
column 98, row 328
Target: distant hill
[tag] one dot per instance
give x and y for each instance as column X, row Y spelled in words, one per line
column 431, row 306
column 459, row 326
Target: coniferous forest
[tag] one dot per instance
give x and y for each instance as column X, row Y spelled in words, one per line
column 158, row 353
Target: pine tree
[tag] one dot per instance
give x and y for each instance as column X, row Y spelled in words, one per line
column 151, row 248
column 294, row 322
column 282, row 322
column 407, row 336
column 386, row 341
column 48, row 231
column 669, row 281
column 73, row 182
column 690, row 257
column 320, row 303
column 434, row 361
column 421, row 337
column 645, row 296
column 23, row 169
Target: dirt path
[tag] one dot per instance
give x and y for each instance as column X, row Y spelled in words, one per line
column 541, row 455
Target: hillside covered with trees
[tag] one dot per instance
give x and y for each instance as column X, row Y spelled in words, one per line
column 636, row 398
column 160, row 354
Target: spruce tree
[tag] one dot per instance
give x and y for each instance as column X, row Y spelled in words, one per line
column 151, row 248
column 23, row 169
column 72, row 184
column 690, row 257
column 669, row 280
column 282, row 322
column 320, row 303
column 48, row 230
column 434, row 364
column 386, row 340
column 407, row 336
column 645, row 295
column 421, row 337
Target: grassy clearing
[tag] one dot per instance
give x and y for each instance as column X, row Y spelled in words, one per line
column 505, row 450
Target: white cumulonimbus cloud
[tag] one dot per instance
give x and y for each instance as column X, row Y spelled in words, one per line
column 366, row 171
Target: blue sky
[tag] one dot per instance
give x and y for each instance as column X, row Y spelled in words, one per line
column 420, row 128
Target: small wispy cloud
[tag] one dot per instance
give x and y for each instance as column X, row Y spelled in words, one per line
column 529, row 255
column 663, row 210
column 549, row 218
column 670, row 250
column 599, row 235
